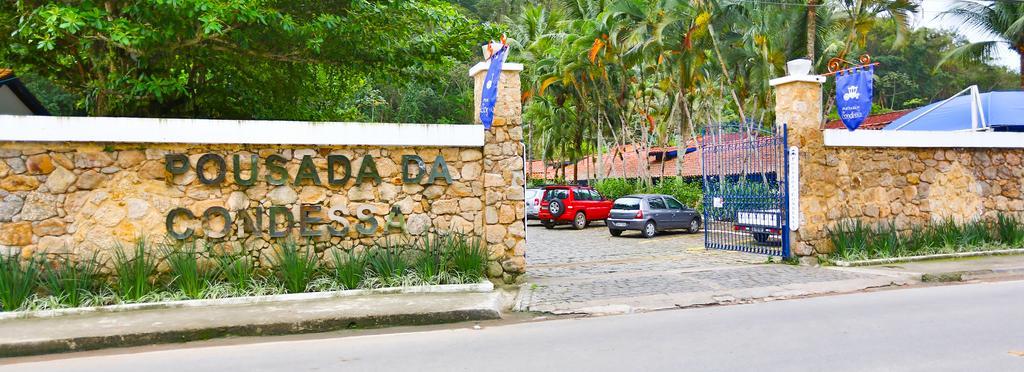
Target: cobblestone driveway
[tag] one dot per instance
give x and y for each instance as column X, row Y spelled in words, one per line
column 571, row 269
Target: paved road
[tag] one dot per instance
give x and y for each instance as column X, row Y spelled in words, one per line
column 589, row 271
column 975, row 327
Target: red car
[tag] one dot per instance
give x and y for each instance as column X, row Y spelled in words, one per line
column 577, row 205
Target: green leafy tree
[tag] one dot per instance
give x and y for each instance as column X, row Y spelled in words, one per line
column 1004, row 20
column 233, row 58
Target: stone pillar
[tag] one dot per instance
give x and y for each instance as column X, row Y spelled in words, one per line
column 504, row 179
column 798, row 104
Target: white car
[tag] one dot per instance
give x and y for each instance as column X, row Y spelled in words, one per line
column 533, row 197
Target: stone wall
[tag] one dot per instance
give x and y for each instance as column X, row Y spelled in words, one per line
column 83, row 198
column 905, row 185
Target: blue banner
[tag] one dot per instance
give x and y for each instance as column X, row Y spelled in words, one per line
column 853, row 96
column 489, row 96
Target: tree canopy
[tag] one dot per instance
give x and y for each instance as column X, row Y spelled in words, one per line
column 602, row 75
column 273, row 59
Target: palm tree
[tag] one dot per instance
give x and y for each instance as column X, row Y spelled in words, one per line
column 858, row 17
column 812, row 27
column 1002, row 19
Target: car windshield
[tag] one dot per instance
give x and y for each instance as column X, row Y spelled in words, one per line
column 629, row 204
column 560, row 194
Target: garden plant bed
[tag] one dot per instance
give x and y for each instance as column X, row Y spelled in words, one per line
column 193, row 274
column 482, row 287
column 859, row 244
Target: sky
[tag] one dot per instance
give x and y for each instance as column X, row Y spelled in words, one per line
column 928, row 17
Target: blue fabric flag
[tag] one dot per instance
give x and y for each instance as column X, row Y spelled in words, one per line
column 489, row 96
column 853, row 96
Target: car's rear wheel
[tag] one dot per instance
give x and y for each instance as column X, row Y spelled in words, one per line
column 649, row 230
column 694, row 225
column 615, row 232
column 580, row 221
column 556, row 208
column 548, row 224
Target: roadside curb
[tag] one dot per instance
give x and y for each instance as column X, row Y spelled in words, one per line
column 883, row 261
column 24, row 337
column 485, row 286
column 968, row 275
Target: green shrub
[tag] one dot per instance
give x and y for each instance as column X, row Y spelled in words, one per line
column 885, row 240
column 387, row 262
column 467, row 257
column 294, row 266
column 349, row 271
column 18, row 281
column 975, row 233
column 614, row 188
column 918, row 240
column 134, row 271
column 70, row 281
column 237, row 269
column 190, row 274
column 849, row 238
column 430, row 263
column 689, row 193
column 1009, row 230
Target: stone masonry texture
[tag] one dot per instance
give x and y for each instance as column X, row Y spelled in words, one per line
column 77, row 199
column 504, row 179
column 907, row 186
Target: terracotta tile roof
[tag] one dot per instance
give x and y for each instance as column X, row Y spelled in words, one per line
column 872, row 122
column 4, row 72
column 623, row 162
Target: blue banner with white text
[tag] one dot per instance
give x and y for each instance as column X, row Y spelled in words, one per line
column 489, row 96
column 854, row 90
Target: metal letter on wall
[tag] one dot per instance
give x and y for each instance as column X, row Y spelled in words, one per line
column 793, row 183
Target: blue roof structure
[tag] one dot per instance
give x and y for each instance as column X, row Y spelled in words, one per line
column 1002, row 111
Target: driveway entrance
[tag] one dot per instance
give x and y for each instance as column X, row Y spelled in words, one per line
column 589, row 271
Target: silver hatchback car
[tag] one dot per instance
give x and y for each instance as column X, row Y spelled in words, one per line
column 650, row 213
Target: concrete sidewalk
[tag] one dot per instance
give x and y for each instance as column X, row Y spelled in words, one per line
column 632, row 292
column 957, row 269
column 32, row 336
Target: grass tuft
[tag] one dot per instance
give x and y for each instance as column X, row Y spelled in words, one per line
column 431, row 263
column 850, row 238
column 467, row 257
column 237, row 269
column 18, row 281
column 349, row 269
column 71, row 282
column 190, row 273
column 387, row 263
column 134, row 271
column 295, row 266
column 1009, row 230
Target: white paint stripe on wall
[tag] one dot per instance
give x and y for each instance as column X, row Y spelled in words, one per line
column 262, row 132
column 894, row 138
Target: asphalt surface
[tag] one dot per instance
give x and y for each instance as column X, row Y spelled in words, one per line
column 973, row 327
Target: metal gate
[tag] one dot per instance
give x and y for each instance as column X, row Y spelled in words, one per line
column 744, row 168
